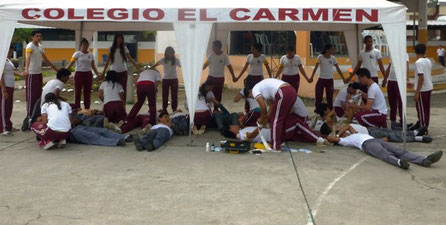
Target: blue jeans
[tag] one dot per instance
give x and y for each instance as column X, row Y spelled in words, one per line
column 157, row 136
column 95, row 136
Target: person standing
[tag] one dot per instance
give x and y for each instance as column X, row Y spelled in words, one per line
column 280, row 96
column 393, row 92
column 83, row 78
column 217, row 62
column 170, row 78
column 255, row 61
column 291, row 64
column 440, row 53
column 117, row 58
column 33, row 73
column 423, row 86
column 326, row 60
column 7, row 83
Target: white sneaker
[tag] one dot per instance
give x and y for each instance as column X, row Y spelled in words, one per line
column 49, row 145
column 106, row 122
column 320, row 142
column 202, row 130
column 195, row 130
column 7, row 134
column 145, row 130
column 114, row 128
column 62, row 143
column 313, row 120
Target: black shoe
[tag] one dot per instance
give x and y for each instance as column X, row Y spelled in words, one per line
column 138, row 144
column 150, row 146
column 129, row 138
column 121, row 142
column 25, row 125
column 422, row 131
column 426, row 139
column 415, row 126
column 403, row 164
column 409, row 125
column 432, row 158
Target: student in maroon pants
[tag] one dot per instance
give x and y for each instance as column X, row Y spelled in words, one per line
column 118, row 56
column 393, row 92
column 170, row 78
column 203, row 114
column 423, row 86
column 217, row 62
column 326, row 61
column 112, row 94
column 291, row 64
column 280, row 96
column 146, row 87
column 33, row 72
column 83, row 78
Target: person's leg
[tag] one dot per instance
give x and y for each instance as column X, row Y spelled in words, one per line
column 123, row 81
column 34, row 92
column 218, row 88
column 293, row 80
column 319, row 92
column 39, row 130
column 161, row 137
column 87, row 83
column 425, row 98
column 283, row 102
column 112, row 111
column 165, row 93
column 36, row 112
column 91, row 136
column 78, row 83
column 251, row 118
column 2, row 112
column 301, row 133
column 141, row 96
column 392, row 99
column 403, row 154
column 371, row 119
column 376, row 149
column 131, row 123
column 151, row 95
column 219, row 119
column 147, row 139
column 174, row 94
column 329, row 90
column 8, row 108
column 202, row 118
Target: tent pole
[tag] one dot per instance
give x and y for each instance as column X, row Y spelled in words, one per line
column 413, row 32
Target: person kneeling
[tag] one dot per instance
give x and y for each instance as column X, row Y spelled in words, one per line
column 157, row 135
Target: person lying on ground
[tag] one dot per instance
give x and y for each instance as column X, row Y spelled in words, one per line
column 249, row 117
column 156, row 136
column 385, row 151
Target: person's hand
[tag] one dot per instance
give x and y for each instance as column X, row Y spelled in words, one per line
column 384, row 83
column 364, row 95
column 416, row 97
column 25, row 73
column 261, row 121
column 345, row 80
column 310, row 80
column 5, row 94
column 410, row 85
column 234, row 79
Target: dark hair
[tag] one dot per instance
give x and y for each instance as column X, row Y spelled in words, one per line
column 162, row 114
column 363, row 72
column 52, row 98
column 83, row 40
column 326, row 48
column 168, row 50
column 203, row 90
column 321, row 108
column 34, row 32
column 11, row 46
column 325, row 129
column 290, row 48
column 115, row 46
column 113, row 77
column 257, row 46
column 217, row 44
column 367, row 37
column 420, row 48
column 63, row 73
column 355, row 85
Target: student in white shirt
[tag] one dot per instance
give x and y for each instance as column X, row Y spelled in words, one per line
column 440, row 53
column 393, row 92
column 146, row 87
column 83, row 78
column 112, row 94
column 33, row 73
column 55, row 123
column 217, row 62
column 387, row 152
column 7, row 83
column 203, row 113
column 280, row 96
column 170, row 78
column 156, row 136
column 423, row 86
column 248, row 118
column 118, row 56
column 290, row 65
column 327, row 61
column 374, row 113
column 341, row 107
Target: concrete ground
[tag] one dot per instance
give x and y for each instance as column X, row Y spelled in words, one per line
column 183, row 184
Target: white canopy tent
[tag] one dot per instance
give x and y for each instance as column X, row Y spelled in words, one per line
column 196, row 21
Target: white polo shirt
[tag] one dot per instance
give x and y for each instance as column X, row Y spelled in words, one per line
column 369, row 60
column 267, row 88
column 341, row 97
column 217, row 64
column 326, row 66
column 290, row 66
column 8, row 75
column 299, row 108
column 170, row 71
column 359, row 128
column 58, row 120
column 35, row 65
column 163, row 126
column 256, row 64
column 83, row 61
column 392, row 74
column 111, row 94
column 119, row 64
column 202, row 102
column 440, row 51
column 266, row 133
column 355, row 140
column 149, row 75
column 51, row 87
column 379, row 102
column 253, row 104
column 424, row 66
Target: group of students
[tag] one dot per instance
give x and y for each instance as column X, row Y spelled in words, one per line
column 270, row 101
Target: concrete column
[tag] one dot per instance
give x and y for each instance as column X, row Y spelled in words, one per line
column 94, row 45
column 422, row 21
column 303, row 45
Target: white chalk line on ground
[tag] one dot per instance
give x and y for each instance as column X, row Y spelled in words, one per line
column 444, row 135
column 322, row 196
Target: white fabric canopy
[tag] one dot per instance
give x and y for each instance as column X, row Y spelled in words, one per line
column 350, row 16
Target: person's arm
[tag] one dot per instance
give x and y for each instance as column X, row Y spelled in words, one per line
column 27, row 62
column 253, row 134
column 263, row 119
column 206, row 64
column 105, row 68
column 3, row 87
column 101, row 95
column 129, row 57
column 156, row 64
column 44, row 118
column 333, row 139
column 242, row 72
column 419, row 85
column 279, row 71
column 330, row 115
column 70, row 64
column 57, row 93
column 95, row 70
column 341, row 73
column 302, row 71
column 49, row 62
column 238, row 97
column 122, row 95
column 231, row 71
column 314, row 70
column 368, row 106
column 383, row 71
column 358, row 66
column 387, row 71
column 266, row 64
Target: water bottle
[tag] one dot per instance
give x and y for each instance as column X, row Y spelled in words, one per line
column 208, row 146
column 212, row 147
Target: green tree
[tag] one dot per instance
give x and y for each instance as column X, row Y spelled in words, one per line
column 21, row 35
